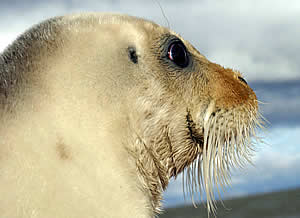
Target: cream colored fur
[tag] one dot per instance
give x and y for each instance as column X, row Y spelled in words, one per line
column 87, row 133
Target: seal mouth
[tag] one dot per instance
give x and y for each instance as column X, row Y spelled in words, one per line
column 195, row 134
column 222, row 140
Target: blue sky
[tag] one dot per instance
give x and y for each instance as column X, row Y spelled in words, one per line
column 260, row 38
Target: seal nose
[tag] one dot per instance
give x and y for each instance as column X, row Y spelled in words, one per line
column 242, row 80
column 229, row 88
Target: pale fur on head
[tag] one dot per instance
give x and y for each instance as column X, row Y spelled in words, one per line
column 228, row 142
column 205, row 136
column 159, row 118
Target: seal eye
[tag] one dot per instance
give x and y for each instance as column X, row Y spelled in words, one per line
column 178, row 54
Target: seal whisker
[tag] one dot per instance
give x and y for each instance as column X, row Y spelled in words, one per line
column 139, row 105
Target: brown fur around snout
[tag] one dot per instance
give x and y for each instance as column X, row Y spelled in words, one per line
column 97, row 117
column 226, row 88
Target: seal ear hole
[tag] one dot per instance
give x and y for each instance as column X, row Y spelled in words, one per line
column 132, row 55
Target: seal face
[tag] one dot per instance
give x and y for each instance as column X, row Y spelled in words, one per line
column 116, row 106
column 207, row 123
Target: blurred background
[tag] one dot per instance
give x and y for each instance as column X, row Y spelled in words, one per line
column 260, row 38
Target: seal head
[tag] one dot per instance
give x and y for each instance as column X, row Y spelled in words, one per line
column 115, row 106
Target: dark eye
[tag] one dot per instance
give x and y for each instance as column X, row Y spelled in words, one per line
column 178, row 54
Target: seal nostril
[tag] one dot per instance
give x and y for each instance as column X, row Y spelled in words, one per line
column 242, row 80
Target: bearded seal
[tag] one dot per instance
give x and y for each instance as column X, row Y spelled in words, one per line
column 99, row 111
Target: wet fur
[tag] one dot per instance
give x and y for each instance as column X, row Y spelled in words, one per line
column 87, row 132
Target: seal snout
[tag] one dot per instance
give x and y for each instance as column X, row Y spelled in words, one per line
column 229, row 89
